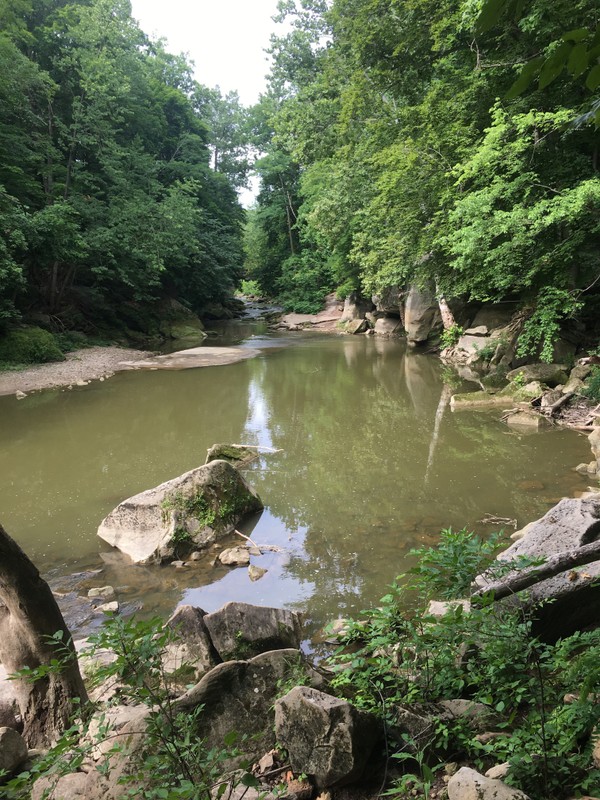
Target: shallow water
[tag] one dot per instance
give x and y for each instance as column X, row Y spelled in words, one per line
column 373, row 463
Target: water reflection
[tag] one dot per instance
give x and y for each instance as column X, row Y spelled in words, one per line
column 372, row 463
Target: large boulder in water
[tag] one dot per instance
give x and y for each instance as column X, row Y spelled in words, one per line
column 183, row 514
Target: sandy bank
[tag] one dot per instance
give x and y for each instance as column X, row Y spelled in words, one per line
column 98, row 363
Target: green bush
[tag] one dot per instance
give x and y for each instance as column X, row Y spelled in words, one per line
column 29, row 346
column 592, row 385
column 399, row 654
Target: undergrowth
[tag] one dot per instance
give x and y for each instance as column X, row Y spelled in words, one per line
column 399, row 655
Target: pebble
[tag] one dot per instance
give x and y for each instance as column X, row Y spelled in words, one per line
column 20, row 395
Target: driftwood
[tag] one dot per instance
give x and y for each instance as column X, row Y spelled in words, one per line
column 554, row 565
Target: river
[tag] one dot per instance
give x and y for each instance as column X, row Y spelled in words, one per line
column 373, row 463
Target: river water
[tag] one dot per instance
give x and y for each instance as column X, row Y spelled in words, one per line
column 373, row 463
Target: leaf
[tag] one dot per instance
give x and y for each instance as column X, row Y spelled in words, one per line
column 578, row 60
column 577, row 35
column 526, row 76
column 554, row 65
column 490, row 14
column 593, row 79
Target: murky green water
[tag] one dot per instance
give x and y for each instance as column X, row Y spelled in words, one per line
column 373, row 463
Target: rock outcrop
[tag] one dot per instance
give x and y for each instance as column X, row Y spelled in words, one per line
column 183, row 514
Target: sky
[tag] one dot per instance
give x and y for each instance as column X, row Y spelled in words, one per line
column 225, row 38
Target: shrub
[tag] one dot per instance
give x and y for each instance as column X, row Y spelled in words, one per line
column 592, row 385
column 29, row 346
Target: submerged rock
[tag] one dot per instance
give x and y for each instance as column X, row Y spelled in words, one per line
column 183, row 514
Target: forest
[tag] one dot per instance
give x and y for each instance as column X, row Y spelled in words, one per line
column 117, row 184
column 452, row 143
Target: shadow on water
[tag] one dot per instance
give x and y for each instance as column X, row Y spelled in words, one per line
column 373, row 463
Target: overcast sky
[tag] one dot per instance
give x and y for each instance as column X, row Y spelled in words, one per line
column 225, row 38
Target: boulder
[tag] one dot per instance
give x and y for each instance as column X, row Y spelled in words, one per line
column 480, row 330
column 326, row 738
column 235, row 557
column 550, row 374
column 467, row 784
column 575, row 594
column 234, row 453
column 389, row 326
column 183, row 514
column 241, row 630
column 594, row 440
column 192, row 648
column 13, row 750
column 415, row 724
column 356, row 326
column 256, row 573
column 178, row 322
column 527, row 420
column 355, row 307
column 239, row 696
column 421, row 314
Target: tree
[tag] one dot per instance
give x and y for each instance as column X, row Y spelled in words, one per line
column 34, row 637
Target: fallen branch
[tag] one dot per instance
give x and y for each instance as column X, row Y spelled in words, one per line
column 554, row 565
column 491, row 519
column 272, row 548
column 557, row 404
column 259, row 447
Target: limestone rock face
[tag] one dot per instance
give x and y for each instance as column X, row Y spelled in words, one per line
column 240, row 630
column 188, row 512
column 421, row 314
column 325, row 737
column 355, row 307
column 389, row 301
column 13, row 750
column 193, row 646
column 576, row 594
column 467, row 784
column 389, row 326
column 240, row 695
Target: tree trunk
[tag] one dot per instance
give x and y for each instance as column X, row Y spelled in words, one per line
column 29, row 622
column 554, row 565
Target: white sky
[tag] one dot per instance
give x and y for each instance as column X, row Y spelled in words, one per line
column 225, row 38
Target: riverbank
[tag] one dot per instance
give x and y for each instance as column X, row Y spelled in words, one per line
column 93, row 363
column 100, row 363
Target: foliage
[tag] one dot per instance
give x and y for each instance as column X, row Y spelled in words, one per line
column 117, row 170
column 29, row 346
column 400, row 654
column 451, row 335
column 173, row 762
column 592, row 385
column 402, row 165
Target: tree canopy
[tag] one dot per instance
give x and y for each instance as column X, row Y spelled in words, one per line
column 117, row 188
column 410, row 142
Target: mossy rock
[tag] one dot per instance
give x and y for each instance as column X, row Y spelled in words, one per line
column 29, row 346
column 234, row 453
